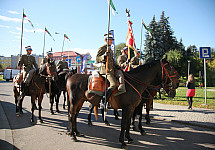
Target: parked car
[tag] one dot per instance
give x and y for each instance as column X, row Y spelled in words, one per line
column 10, row 73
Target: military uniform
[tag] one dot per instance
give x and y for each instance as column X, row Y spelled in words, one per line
column 101, row 58
column 122, row 61
column 27, row 61
column 62, row 65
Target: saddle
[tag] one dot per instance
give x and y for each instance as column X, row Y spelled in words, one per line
column 96, row 84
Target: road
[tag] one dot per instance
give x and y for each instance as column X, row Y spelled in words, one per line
column 51, row 134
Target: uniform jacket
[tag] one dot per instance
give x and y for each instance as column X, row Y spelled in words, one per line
column 62, row 65
column 122, row 61
column 27, row 61
column 100, row 58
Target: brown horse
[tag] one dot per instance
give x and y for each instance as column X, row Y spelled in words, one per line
column 36, row 89
column 136, row 82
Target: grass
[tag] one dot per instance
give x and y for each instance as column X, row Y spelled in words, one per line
column 198, row 100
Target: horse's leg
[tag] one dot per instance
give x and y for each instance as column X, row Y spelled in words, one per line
column 106, row 121
column 133, row 119
column 40, row 107
column 129, row 113
column 20, row 100
column 57, row 102
column 148, row 106
column 89, row 115
column 51, row 102
column 71, row 116
column 116, row 114
column 15, row 92
column 140, row 113
column 33, row 98
column 64, row 102
column 76, row 116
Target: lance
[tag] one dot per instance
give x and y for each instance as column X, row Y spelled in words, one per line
column 107, row 60
column 141, row 37
column 44, row 41
column 23, row 16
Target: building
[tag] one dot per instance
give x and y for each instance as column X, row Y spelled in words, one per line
column 5, row 62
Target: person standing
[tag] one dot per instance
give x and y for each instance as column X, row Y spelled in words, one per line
column 191, row 90
column 101, row 57
column 62, row 64
column 28, row 62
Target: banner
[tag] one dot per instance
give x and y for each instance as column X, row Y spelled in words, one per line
column 113, row 44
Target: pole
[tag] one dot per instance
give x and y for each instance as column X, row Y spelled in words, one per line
column 141, row 38
column 21, row 50
column 44, row 41
column 205, row 82
column 63, row 45
column 188, row 68
column 107, row 59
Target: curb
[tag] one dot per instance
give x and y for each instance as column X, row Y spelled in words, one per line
column 6, row 137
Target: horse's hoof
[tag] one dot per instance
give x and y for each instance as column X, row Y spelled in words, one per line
column 52, row 112
column 143, row 132
column 90, row 124
column 107, row 123
column 116, row 118
column 75, row 139
column 124, row 146
column 41, row 121
column 79, row 135
column 64, row 107
column 130, row 141
column 58, row 111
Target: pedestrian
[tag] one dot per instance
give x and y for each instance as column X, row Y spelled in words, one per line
column 101, row 57
column 191, row 90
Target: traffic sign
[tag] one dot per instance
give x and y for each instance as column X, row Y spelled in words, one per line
column 78, row 59
column 91, row 61
column 205, row 52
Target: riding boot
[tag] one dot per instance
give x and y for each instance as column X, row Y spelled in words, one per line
column 121, row 88
column 108, row 94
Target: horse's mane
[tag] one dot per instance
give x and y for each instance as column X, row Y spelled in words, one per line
column 143, row 67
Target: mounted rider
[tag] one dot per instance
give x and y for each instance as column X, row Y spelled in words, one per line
column 135, row 61
column 123, row 60
column 112, row 67
column 48, row 57
column 28, row 62
column 62, row 64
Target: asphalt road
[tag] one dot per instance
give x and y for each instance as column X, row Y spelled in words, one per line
column 52, row 133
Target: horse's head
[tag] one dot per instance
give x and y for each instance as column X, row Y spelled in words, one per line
column 49, row 69
column 170, row 77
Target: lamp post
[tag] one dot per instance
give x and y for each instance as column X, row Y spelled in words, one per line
column 188, row 68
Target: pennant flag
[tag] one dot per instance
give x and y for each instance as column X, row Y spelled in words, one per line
column 84, row 64
column 24, row 15
column 49, row 33
column 31, row 24
column 148, row 30
column 113, row 9
column 130, row 37
column 65, row 36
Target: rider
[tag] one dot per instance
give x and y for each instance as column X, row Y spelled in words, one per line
column 112, row 67
column 135, row 61
column 49, row 56
column 27, row 61
column 62, row 64
column 123, row 58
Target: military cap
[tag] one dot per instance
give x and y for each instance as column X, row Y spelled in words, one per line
column 49, row 53
column 124, row 49
column 63, row 55
column 110, row 36
column 138, row 51
column 28, row 48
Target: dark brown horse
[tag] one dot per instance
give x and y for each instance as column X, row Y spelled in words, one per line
column 136, row 82
column 36, row 89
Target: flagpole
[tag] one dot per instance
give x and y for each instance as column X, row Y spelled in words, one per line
column 44, row 41
column 63, row 45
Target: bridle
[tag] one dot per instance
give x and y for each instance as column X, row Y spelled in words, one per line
column 164, row 80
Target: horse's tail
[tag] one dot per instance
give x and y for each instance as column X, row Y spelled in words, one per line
column 96, row 112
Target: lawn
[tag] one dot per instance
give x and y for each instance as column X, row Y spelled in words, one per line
column 198, row 100
column 1, row 78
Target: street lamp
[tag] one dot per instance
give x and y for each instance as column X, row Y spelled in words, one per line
column 188, row 68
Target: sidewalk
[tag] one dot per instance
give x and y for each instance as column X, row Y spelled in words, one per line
column 6, row 138
column 196, row 116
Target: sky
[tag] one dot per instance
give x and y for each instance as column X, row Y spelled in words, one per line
column 86, row 21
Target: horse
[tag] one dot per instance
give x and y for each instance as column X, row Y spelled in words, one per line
column 36, row 89
column 57, row 86
column 136, row 82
